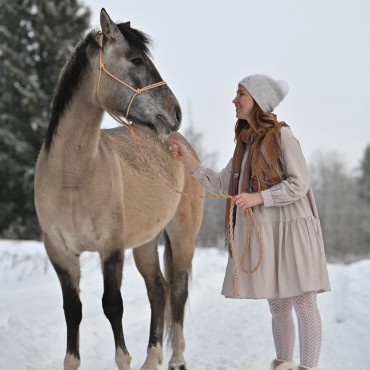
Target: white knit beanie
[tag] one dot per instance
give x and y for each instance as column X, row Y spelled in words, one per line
column 266, row 91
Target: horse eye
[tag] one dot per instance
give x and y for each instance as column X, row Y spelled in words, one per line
column 136, row 61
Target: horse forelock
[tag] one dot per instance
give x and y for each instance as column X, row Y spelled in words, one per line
column 135, row 38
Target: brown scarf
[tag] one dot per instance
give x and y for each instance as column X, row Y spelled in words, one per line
column 264, row 166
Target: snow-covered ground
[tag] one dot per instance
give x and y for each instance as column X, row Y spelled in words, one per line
column 221, row 334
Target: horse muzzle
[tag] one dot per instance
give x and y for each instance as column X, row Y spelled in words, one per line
column 172, row 124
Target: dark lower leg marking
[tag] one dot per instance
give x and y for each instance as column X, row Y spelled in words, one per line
column 179, row 296
column 157, row 292
column 72, row 310
column 112, row 299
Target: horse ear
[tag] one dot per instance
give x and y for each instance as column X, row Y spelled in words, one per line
column 108, row 27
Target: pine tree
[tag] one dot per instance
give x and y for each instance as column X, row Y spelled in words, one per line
column 36, row 38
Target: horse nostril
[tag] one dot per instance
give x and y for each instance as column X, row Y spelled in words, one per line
column 178, row 115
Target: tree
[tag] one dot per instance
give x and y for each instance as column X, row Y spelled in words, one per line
column 212, row 232
column 36, row 37
column 364, row 195
column 364, row 179
column 195, row 138
column 344, row 217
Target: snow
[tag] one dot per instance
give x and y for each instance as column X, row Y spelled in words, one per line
column 221, row 334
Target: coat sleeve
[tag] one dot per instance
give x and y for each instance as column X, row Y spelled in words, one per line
column 297, row 183
column 214, row 182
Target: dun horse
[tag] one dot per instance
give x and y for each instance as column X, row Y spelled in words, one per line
column 95, row 192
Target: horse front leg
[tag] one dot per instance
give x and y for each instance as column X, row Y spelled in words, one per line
column 67, row 268
column 147, row 262
column 112, row 264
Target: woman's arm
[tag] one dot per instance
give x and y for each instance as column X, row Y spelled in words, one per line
column 213, row 181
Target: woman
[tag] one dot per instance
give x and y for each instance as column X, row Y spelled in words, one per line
column 268, row 173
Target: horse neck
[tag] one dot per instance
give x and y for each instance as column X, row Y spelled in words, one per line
column 75, row 144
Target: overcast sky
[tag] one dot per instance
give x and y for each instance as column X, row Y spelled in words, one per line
column 203, row 48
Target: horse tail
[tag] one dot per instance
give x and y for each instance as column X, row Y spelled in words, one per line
column 168, row 274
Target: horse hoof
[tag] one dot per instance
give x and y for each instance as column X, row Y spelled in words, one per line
column 177, row 367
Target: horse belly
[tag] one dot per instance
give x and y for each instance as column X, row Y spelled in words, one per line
column 80, row 236
column 77, row 223
column 147, row 217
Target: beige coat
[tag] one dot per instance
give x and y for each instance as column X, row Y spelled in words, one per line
column 294, row 257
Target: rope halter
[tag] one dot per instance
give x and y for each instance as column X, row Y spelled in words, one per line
column 136, row 92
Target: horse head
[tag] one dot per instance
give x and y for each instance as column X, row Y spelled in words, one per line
column 128, row 83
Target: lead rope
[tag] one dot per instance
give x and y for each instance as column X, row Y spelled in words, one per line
column 249, row 213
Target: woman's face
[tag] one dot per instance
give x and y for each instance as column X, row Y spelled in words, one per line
column 243, row 103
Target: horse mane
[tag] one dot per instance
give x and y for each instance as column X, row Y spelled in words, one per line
column 75, row 69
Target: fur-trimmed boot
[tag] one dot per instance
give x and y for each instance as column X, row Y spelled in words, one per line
column 301, row 367
column 282, row 365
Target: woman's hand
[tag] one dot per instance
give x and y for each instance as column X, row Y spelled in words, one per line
column 247, row 200
column 181, row 153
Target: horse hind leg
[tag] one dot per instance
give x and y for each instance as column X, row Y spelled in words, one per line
column 179, row 250
column 112, row 266
column 147, row 262
column 67, row 268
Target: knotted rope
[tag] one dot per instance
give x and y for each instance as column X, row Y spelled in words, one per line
column 249, row 213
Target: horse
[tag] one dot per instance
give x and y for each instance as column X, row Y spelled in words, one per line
column 94, row 191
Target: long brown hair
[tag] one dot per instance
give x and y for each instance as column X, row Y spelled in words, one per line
column 260, row 121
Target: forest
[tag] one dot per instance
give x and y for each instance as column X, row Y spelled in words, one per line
column 33, row 48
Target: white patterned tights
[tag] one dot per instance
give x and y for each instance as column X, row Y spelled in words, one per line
column 309, row 328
